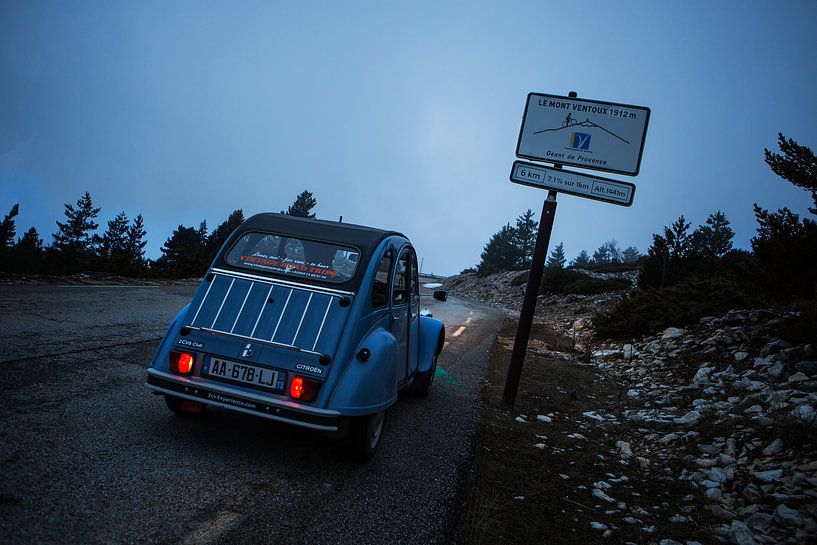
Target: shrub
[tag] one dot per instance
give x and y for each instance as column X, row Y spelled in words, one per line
column 649, row 310
column 572, row 281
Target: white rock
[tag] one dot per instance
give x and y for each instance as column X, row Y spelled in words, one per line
column 520, row 420
column 798, row 377
column 769, row 476
column 692, row 417
column 702, row 376
column 775, row 447
column 713, row 494
column 627, row 351
column 624, row 447
column 740, row 356
column 539, row 445
column 519, row 498
column 602, row 496
column 741, row 534
column 671, row 333
column 754, row 409
column 543, row 418
column 593, row 415
column 598, row 526
column 632, row 393
column 804, row 413
column 788, row 517
column 668, row 438
column 716, row 474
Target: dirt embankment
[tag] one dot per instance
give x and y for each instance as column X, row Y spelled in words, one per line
column 697, row 435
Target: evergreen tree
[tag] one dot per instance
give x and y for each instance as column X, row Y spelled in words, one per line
column 501, row 253
column 713, row 240
column 182, row 252
column 7, row 229
column 785, row 248
column 112, row 248
column 630, row 255
column 581, row 261
column 557, row 258
column 135, row 247
column 75, row 241
column 303, row 205
column 221, row 233
column 797, row 165
column 27, row 254
column 525, row 233
column 607, row 253
column 678, row 238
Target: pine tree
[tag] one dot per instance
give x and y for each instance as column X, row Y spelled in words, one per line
column 112, row 248
column 713, row 240
column 678, row 238
column 607, row 253
column 221, row 233
column 557, row 258
column 501, row 253
column 525, row 238
column 182, row 252
column 135, row 247
column 7, row 229
column 303, row 205
column 630, row 255
column 75, row 241
column 27, row 254
column 581, row 261
column 798, row 165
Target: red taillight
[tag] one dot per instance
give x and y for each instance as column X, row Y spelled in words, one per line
column 181, row 362
column 303, row 389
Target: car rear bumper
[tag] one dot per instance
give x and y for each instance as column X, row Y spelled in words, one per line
column 235, row 400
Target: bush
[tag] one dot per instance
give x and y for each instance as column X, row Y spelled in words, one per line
column 649, row 310
column 572, row 281
column 519, row 279
column 613, row 267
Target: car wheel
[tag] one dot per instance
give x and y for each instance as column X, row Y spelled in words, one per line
column 183, row 407
column 422, row 381
column 364, row 435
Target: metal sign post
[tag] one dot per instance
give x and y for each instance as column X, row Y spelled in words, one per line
column 537, row 267
column 567, row 131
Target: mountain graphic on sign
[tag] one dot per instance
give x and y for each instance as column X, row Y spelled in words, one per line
column 570, row 123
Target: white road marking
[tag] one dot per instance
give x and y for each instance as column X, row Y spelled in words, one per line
column 458, row 332
column 468, row 321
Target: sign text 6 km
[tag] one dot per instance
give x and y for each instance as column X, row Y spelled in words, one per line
column 593, row 187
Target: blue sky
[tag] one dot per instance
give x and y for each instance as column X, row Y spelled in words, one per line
column 394, row 115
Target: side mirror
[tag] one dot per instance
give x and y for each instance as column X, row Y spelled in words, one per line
column 441, row 295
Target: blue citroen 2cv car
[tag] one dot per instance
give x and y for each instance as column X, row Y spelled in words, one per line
column 308, row 322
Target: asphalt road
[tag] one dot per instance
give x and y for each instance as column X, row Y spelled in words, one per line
column 88, row 455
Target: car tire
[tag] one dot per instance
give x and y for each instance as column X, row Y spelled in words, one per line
column 183, row 407
column 421, row 385
column 365, row 433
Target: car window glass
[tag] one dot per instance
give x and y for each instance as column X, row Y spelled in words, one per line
column 380, row 286
column 291, row 256
column 415, row 276
column 399, row 294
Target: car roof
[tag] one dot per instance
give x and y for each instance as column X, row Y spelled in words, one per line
column 364, row 239
column 359, row 236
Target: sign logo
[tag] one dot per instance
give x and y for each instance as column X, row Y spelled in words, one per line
column 580, row 141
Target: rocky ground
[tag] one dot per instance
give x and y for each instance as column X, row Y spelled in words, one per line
column 725, row 408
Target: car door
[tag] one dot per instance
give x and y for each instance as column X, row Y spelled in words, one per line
column 400, row 297
column 414, row 314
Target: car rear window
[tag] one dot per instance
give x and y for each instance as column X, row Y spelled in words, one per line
column 294, row 257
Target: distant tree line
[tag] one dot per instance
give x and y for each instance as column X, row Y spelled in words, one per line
column 511, row 249
column 688, row 274
column 120, row 249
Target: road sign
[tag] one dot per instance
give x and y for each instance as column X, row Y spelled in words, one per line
column 583, row 133
column 581, row 185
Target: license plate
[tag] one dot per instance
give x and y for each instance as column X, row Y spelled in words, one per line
column 260, row 377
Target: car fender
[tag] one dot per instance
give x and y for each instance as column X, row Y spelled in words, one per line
column 432, row 337
column 369, row 386
column 160, row 360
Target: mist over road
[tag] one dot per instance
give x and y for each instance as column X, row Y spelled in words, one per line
column 90, row 456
